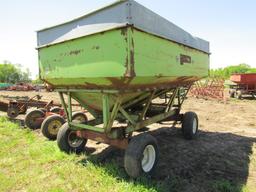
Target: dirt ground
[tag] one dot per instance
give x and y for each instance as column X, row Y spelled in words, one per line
column 223, row 149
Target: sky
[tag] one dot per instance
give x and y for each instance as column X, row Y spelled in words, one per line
column 229, row 26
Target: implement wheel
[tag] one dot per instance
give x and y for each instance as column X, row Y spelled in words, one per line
column 80, row 117
column 238, row 94
column 51, row 125
column 190, row 125
column 232, row 93
column 69, row 142
column 141, row 155
column 12, row 112
column 55, row 110
column 32, row 119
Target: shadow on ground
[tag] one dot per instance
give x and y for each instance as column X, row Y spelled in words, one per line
column 212, row 162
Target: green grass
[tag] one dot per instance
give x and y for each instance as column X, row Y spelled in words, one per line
column 29, row 162
column 226, row 186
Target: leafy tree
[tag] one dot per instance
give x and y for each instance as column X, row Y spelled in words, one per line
column 228, row 71
column 10, row 73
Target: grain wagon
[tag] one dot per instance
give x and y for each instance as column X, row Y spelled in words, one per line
column 129, row 68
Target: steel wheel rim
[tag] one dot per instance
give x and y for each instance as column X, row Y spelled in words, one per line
column 149, row 158
column 54, row 126
column 194, row 126
column 73, row 140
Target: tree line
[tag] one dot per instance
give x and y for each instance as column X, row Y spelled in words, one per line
column 10, row 73
column 228, row 71
column 13, row 73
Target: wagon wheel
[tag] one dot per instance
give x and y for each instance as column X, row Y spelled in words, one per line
column 43, row 109
column 238, row 94
column 80, row 117
column 51, row 125
column 33, row 119
column 12, row 112
column 190, row 125
column 55, row 110
column 232, row 93
column 141, row 155
column 69, row 142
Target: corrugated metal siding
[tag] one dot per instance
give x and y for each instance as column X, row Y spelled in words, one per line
column 118, row 14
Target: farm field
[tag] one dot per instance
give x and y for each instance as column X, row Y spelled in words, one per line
column 221, row 159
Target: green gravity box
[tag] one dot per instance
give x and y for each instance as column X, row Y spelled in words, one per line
column 122, row 47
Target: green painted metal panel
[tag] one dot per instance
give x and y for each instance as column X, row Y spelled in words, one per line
column 100, row 55
column 121, row 59
column 124, row 59
column 155, row 56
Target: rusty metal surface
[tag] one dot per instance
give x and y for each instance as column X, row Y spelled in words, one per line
column 245, row 79
column 3, row 106
column 211, row 88
column 103, row 138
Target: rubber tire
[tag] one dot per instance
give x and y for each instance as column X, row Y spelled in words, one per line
column 232, row 93
column 63, row 144
column 12, row 112
column 238, row 95
column 28, row 117
column 55, row 110
column 76, row 114
column 187, row 125
column 45, row 126
column 134, row 154
column 43, row 109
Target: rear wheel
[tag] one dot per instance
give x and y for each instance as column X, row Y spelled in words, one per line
column 33, row 119
column 51, row 125
column 68, row 141
column 80, row 117
column 141, row 155
column 190, row 125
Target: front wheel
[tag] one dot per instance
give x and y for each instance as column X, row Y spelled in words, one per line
column 190, row 125
column 51, row 125
column 141, row 155
column 69, row 142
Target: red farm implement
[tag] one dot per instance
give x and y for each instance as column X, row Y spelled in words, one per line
column 211, row 88
column 244, row 84
column 19, row 105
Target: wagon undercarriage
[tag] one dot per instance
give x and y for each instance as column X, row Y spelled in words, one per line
column 150, row 107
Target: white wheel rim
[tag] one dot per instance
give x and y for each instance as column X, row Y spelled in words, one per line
column 149, row 158
column 194, row 126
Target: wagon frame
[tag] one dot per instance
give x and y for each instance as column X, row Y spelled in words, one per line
column 119, row 137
